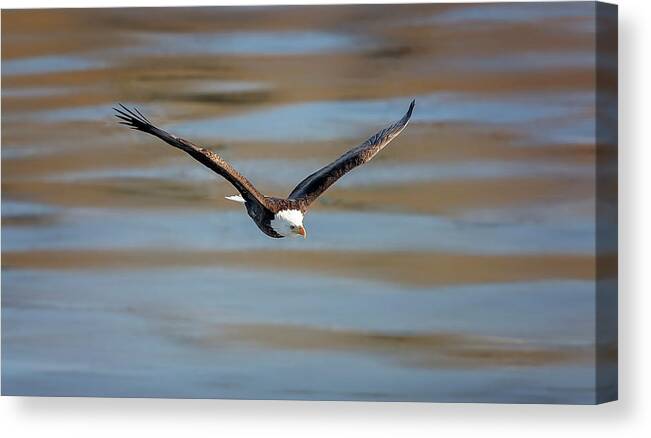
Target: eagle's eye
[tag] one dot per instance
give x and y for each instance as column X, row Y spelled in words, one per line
column 292, row 227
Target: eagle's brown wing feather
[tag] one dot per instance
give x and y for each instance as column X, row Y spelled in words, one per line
column 314, row 185
column 134, row 119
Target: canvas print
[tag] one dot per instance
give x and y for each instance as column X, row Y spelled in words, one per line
column 409, row 202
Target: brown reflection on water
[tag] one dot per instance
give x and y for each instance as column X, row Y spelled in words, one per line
column 500, row 150
column 415, row 269
column 434, row 350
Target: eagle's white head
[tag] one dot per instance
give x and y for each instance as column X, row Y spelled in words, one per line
column 289, row 223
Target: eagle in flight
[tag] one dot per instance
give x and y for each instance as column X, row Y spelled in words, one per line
column 276, row 217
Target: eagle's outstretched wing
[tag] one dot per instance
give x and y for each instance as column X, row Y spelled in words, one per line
column 135, row 120
column 314, row 185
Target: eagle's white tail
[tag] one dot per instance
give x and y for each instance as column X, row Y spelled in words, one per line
column 236, row 198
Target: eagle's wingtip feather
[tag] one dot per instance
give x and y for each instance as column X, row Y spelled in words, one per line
column 411, row 109
column 132, row 118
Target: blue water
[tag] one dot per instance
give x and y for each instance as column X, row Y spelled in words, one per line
column 280, row 173
column 93, row 113
column 17, row 153
column 499, row 310
column 539, row 119
column 166, row 340
column 248, row 43
column 36, row 92
column 526, row 114
column 532, row 61
column 233, row 230
column 515, row 12
column 49, row 64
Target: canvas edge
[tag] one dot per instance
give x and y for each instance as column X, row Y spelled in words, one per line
column 606, row 238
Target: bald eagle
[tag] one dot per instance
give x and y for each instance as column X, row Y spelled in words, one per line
column 276, row 217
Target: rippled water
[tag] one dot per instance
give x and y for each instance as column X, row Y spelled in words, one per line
column 457, row 266
column 324, row 120
column 47, row 64
column 246, row 43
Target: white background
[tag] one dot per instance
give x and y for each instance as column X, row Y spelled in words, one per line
column 629, row 417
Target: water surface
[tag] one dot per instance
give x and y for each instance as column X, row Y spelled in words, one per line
column 457, row 266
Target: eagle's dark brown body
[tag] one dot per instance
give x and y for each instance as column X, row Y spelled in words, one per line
column 262, row 209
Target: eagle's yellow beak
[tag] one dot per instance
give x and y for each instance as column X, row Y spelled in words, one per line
column 301, row 230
